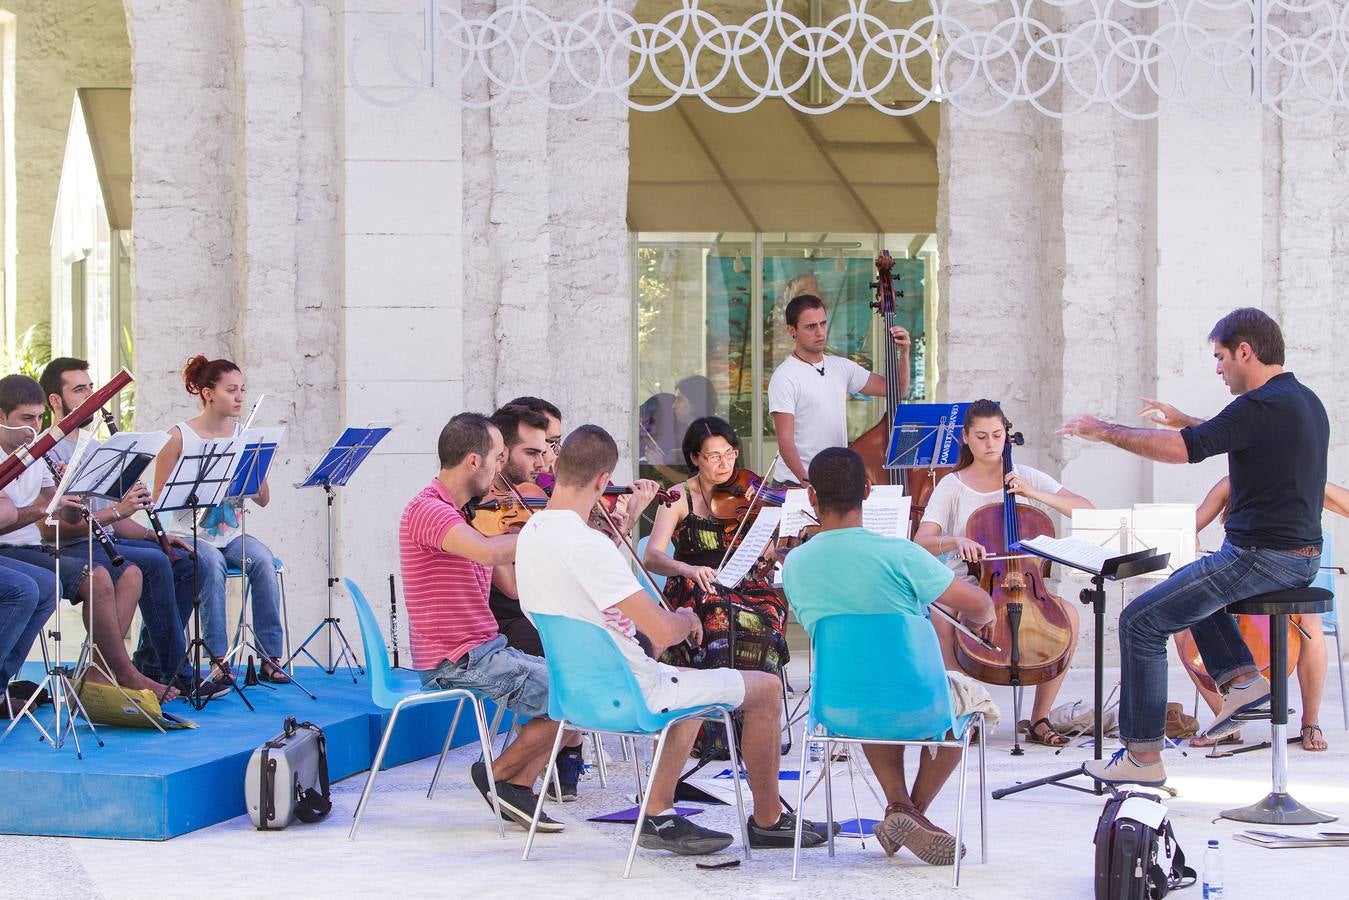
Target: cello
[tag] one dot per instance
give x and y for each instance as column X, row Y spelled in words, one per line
column 1255, row 632
column 1032, row 625
column 872, row 444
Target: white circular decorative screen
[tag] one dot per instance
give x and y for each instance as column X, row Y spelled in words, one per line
column 1138, row 57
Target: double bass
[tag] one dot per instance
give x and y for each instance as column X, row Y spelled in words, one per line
column 872, row 444
column 1032, row 627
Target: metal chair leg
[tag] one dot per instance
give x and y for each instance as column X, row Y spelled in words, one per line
column 828, row 794
column 444, row 750
column 646, row 799
column 800, row 799
column 547, row 776
column 485, row 739
column 983, row 793
column 1339, row 659
column 374, row 770
column 735, row 777
column 960, row 805
column 637, row 767
column 623, row 746
column 601, row 766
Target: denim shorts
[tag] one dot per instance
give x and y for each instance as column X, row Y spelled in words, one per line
column 499, row 673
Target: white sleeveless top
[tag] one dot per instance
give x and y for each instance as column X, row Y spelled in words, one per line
column 217, row 525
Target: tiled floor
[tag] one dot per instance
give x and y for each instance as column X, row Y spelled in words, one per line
column 1040, row 841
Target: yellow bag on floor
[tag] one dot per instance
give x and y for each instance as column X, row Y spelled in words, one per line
column 108, row 704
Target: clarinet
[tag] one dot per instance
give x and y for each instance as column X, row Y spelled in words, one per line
column 393, row 619
column 95, row 527
column 155, row 524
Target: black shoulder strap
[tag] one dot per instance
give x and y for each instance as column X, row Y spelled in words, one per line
column 312, row 805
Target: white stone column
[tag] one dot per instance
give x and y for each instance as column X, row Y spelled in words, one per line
column 402, row 339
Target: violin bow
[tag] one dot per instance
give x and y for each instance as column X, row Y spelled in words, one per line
column 963, row 628
column 632, row 551
column 725, row 557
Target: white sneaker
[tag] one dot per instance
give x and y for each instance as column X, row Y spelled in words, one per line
column 1122, row 768
column 1238, row 700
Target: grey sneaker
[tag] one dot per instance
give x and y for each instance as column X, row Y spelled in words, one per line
column 1235, row 702
column 680, row 835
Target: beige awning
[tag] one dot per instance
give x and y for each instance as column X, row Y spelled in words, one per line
column 107, row 117
column 776, row 169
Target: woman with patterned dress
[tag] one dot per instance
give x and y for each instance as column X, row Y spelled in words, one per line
column 743, row 627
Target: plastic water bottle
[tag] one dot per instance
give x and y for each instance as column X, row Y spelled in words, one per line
column 1213, row 872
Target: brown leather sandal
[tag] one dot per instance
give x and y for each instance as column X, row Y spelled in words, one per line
column 1047, row 737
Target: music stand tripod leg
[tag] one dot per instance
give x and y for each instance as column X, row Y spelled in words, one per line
column 193, row 651
column 1093, row 596
column 330, row 623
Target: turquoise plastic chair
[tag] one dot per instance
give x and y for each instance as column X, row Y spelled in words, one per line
column 880, row 679
column 591, row 687
column 1330, row 622
column 659, row 587
column 398, row 690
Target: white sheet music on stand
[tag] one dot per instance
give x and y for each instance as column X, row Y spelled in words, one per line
column 1166, row 527
column 796, row 511
column 1082, row 554
column 751, row 546
column 886, row 511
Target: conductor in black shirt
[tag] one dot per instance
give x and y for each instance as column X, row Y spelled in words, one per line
column 1276, row 436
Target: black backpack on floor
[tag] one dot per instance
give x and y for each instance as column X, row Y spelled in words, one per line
column 1134, row 860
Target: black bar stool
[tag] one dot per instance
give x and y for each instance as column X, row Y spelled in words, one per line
column 1279, row 807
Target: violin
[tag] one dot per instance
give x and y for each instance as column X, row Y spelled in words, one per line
column 1032, row 625
column 732, row 499
column 506, row 507
column 1255, row 632
column 872, row 443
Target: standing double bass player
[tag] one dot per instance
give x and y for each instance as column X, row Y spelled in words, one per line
column 808, row 392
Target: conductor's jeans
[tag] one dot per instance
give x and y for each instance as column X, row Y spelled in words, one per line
column 1195, row 597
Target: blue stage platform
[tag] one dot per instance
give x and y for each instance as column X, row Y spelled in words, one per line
column 144, row 785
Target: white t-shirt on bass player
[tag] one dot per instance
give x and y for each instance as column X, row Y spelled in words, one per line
column 817, row 401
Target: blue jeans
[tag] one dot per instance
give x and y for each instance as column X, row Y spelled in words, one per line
column 262, row 589
column 74, row 564
column 27, row 600
column 165, row 605
column 1194, row 597
column 502, row 674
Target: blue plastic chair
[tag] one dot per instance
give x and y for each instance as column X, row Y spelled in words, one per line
column 591, row 687
column 659, row 587
column 1330, row 622
column 398, row 690
column 880, row 679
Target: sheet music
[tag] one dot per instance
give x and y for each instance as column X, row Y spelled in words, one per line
column 1080, row 553
column 1167, row 528
column 81, row 445
column 886, row 511
column 797, row 512
column 109, row 470
column 255, row 459
column 202, row 474
column 751, row 546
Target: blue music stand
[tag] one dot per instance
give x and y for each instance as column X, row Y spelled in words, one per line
column 925, row 435
column 335, row 470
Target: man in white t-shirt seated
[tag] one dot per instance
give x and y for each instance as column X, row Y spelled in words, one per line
column 565, row 568
column 808, row 393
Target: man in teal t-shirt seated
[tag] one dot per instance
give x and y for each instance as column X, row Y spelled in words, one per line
column 847, row 569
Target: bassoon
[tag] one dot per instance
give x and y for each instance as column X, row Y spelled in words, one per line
column 14, row 464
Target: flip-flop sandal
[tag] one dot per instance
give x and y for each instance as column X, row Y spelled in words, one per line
column 1233, row 738
column 1047, row 738
column 1318, row 738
